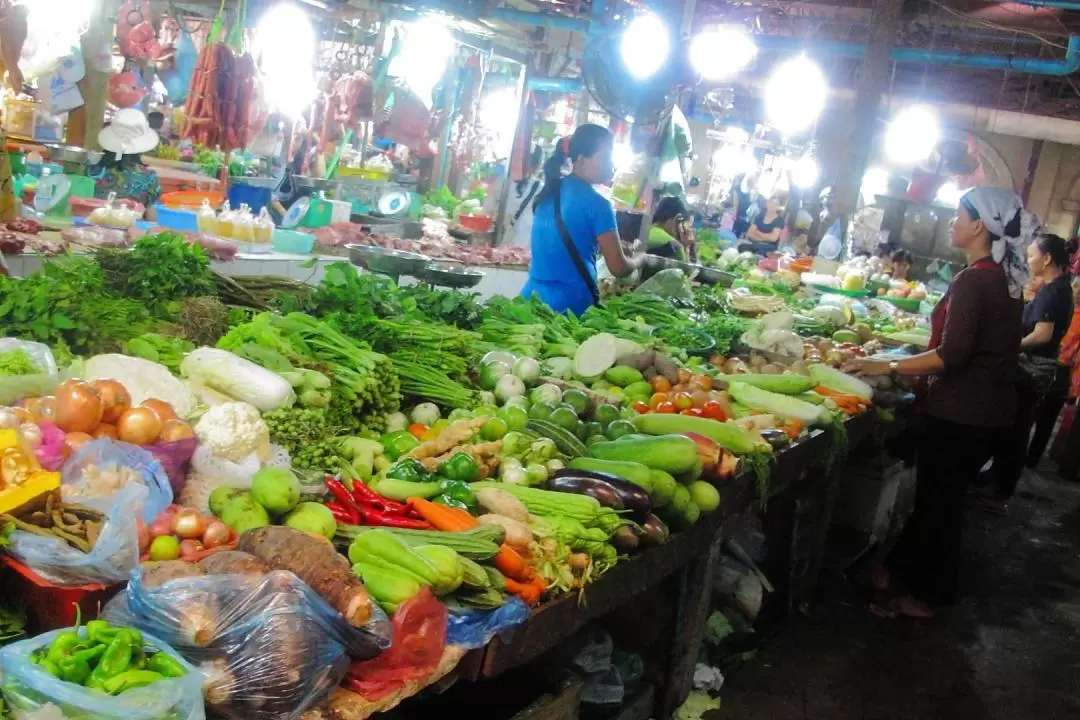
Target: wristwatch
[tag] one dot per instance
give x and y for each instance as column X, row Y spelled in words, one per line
column 894, row 366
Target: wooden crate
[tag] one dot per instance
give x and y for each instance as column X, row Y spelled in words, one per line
column 562, row 704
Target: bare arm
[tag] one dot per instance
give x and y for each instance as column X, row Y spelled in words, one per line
column 925, row 363
column 1043, row 333
column 617, row 261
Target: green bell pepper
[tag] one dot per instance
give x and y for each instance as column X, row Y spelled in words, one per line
column 166, row 665
column 409, row 470
column 130, row 680
column 448, row 501
column 459, row 492
column 462, row 467
column 398, row 443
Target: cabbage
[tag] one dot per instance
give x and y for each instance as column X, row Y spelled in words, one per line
column 144, row 379
column 547, row 394
column 240, row 379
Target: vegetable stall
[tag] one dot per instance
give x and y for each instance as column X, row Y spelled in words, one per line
column 412, row 485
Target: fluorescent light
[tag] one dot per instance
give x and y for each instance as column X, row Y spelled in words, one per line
column 645, row 45
column 722, row 53
column 912, row 135
column 805, row 172
column 795, row 95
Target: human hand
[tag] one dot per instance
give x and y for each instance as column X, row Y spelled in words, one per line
column 866, row 367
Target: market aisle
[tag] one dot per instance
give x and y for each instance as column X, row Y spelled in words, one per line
column 1010, row 650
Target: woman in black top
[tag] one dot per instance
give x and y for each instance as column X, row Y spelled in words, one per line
column 1045, row 320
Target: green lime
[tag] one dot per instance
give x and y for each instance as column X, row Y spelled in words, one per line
column 618, row 428
column 565, row 418
column 458, row 414
column 516, row 417
column 539, row 411
column 520, row 401
column 593, row 439
column 485, row 411
column 494, row 429
column 576, row 399
column 606, row 414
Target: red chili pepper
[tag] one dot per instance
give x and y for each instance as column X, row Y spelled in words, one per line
column 343, row 514
column 363, row 495
column 375, row 517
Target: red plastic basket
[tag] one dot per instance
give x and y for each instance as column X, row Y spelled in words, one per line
column 49, row 606
column 476, row 223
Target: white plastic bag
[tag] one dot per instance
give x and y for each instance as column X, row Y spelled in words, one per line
column 16, row 387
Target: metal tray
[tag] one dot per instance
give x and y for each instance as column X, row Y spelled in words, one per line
column 699, row 273
column 452, row 275
column 387, row 261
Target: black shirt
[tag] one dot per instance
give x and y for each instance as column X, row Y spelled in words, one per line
column 1053, row 303
column 768, row 227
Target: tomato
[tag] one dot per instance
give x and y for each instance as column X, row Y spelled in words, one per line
column 660, row 384
column 714, row 411
column 692, row 412
column 640, row 408
column 418, row 430
column 657, row 399
column 684, row 376
column 699, row 398
column 667, row 408
column 682, row 400
column 701, row 382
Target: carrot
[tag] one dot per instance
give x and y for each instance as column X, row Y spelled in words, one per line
column 443, row 518
column 837, row 396
column 529, row 592
column 510, row 563
column 792, row 427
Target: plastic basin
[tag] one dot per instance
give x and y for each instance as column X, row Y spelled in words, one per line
column 292, row 242
column 174, row 219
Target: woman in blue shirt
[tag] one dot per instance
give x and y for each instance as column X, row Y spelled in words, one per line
column 564, row 247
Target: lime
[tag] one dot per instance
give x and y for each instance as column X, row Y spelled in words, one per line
column 576, row 399
column 458, row 414
column 520, row 401
column 593, row 439
column 540, row 411
column 516, row 417
column 565, row 418
column 164, row 547
column 494, row 429
column 605, row 414
column 485, row 411
column 618, row 428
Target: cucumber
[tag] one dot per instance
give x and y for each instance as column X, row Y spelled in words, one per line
column 629, row 471
column 783, row 384
column 670, row 453
column 728, row 436
column 663, row 488
column 685, row 478
column 566, row 441
column 623, row 376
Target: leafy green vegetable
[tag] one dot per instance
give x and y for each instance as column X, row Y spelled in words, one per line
column 168, row 351
column 17, row 362
column 159, row 270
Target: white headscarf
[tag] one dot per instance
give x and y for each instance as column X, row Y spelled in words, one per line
column 1004, row 216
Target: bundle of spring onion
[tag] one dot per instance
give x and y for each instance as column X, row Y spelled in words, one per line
column 420, row 381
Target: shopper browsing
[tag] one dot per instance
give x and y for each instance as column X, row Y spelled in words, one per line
column 573, row 222
column 971, row 397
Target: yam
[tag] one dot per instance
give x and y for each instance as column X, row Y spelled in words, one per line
column 314, row 562
column 502, row 503
column 639, row 361
column 517, row 534
column 155, row 574
column 666, row 367
column 233, row 562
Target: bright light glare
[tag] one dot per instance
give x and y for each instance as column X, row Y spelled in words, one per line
column 949, row 194
column 289, row 77
column 722, row 53
column 499, row 114
column 875, row 181
column 795, row 95
column 422, row 61
column 805, row 172
column 736, row 134
column 912, row 135
column 734, row 160
column 645, row 45
column 622, row 156
column 53, row 28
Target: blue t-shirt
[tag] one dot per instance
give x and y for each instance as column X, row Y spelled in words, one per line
column 552, row 275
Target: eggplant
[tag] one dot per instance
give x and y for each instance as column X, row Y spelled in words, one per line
column 776, row 438
column 653, row 532
column 632, row 496
column 577, row 481
column 625, row 539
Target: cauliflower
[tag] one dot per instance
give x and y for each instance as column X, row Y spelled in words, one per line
column 234, row 431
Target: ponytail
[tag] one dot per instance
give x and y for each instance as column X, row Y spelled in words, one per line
column 553, row 167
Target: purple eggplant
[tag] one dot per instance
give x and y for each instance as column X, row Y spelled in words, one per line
column 632, row 497
column 652, row 532
column 574, row 481
column 625, row 539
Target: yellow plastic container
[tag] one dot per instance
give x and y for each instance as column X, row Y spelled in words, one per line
column 21, row 477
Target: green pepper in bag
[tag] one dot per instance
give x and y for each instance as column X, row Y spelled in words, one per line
column 130, row 680
column 461, row 467
column 396, row 444
column 166, row 665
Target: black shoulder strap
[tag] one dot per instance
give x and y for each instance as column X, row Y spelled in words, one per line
column 571, row 249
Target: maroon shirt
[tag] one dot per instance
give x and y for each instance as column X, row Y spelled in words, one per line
column 976, row 332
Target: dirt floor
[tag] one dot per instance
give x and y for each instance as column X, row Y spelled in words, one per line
column 1009, row 651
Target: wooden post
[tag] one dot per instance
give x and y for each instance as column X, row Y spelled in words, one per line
column 853, row 146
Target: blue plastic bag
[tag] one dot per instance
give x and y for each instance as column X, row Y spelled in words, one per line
column 474, row 629
column 27, row 687
column 111, row 560
column 269, row 646
column 105, row 453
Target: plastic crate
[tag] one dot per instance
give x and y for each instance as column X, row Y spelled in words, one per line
column 49, row 606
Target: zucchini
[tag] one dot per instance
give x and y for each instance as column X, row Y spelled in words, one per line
column 728, row 436
column 479, row 543
column 566, row 441
column 670, row 453
column 629, row 471
column 663, row 488
column 783, row 384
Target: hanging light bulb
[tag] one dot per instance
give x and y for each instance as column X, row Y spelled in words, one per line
column 722, row 53
column 805, row 172
column 795, row 95
column 645, row 45
column 912, row 135
column 289, row 77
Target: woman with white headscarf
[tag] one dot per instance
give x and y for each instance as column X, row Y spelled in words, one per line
column 970, row 401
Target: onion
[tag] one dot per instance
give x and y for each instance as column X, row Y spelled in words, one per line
column 217, row 533
column 190, row 547
column 188, row 523
column 144, row 534
column 78, row 407
column 31, row 434
column 42, row 409
column 76, row 440
column 105, row 430
column 174, row 430
column 115, row 399
column 139, row 426
column 23, row 414
column 8, row 418
column 162, row 524
column 162, row 409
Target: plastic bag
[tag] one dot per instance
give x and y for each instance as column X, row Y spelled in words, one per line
column 269, row 646
column 419, row 632
column 668, row 283
column 27, row 688
column 50, row 452
column 174, row 457
column 113, row 556
column 225, row 472
column 104, row 453
column 474, row 629
column 16, row 387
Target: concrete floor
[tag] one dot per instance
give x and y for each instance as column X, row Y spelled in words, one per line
column 1009, row 651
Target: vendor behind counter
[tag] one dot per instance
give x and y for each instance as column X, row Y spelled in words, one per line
column 121, row 169
column 672, row 234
